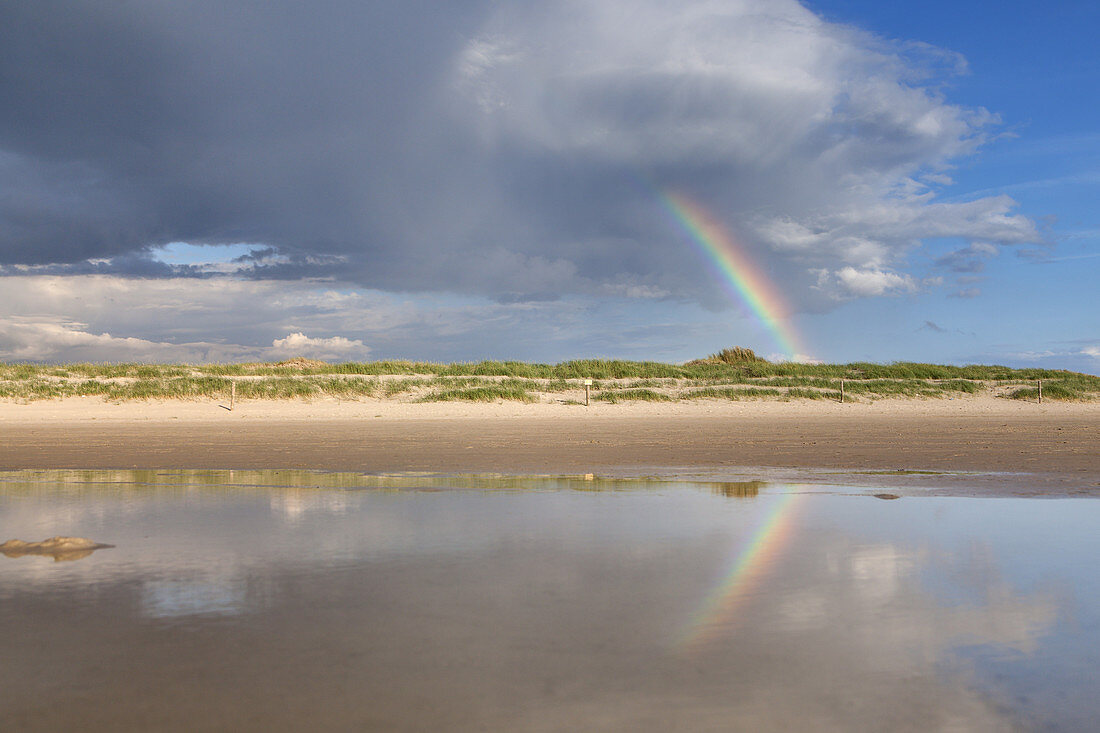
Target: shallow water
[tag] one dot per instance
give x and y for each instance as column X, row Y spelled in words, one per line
column 285, row 599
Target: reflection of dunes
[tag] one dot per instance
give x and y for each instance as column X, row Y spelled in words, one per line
column 737, row 489
column 59, row 548
column 117, row 482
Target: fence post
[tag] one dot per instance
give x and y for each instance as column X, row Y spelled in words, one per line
column 1040, row 391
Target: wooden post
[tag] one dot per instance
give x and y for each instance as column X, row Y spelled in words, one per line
column 587, row 384
column 1040, row 391
column 232, row 395
column 841, row 390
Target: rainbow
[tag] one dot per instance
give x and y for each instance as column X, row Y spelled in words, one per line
column 717, row 614
column 741, row 277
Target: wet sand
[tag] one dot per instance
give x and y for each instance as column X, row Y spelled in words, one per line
column 1018, row 448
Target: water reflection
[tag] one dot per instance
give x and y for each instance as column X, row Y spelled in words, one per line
column 264, row 599
column 737, row 489
column 61, row 549
column 193, row 597
column 124, row 481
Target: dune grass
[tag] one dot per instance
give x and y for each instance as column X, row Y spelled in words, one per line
column 187, row 388
column 738, row 375
column 731, row 393
column 575, row 369
column 1055, row 391
column 734, row 355
column 615, row 396
column 486, row 393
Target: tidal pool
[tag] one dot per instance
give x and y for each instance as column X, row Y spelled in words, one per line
column 287, row 600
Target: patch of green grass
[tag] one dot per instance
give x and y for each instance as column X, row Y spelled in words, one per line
column 455, row 382
column 486, row 393
column 902, row 387
column 823, row 382
column 649, row 383
column 736, row 378
column 735, row 355
column 961, row 385
column 731, row 393
column 615, row 396
column 615, row 369
column 393, row 387
column 275, row 388
column 18, row 372
column 1058, row 392
column 800, row 393
column 189, row 388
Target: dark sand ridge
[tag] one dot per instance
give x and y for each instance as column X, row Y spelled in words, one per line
column 1052, row 454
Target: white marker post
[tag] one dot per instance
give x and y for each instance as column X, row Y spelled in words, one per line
column 587, row 384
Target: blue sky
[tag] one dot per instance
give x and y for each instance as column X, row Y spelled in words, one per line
column 202, row 182
column 1036, row 66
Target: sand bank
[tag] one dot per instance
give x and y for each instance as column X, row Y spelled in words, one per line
column 59, row 548
column 1048, row 448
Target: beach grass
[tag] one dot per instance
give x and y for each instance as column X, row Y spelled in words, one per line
column 1054, row 391
column 575, row 369
column 615, row 396
column 486, row 393
column 736, row 377
column 732, row 393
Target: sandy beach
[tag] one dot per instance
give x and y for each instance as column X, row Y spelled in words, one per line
column 998, row 445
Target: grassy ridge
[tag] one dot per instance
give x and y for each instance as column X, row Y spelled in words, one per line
column 576, row 369
column 615, row 381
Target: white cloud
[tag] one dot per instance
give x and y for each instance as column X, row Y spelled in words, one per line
column 634, row 290
column 60, row 319
column 58, row 340
column 850, row 282
column 797, row 358
column 518, row 159
column 26, row 339
column 106, row 318
column 334, row 347
column 1035, row 355
column 1075, row 355
column 819, row 143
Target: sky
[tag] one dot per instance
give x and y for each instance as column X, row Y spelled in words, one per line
column 830, row 180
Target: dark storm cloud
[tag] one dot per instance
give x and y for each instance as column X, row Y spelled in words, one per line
column 128, row 125
column 509, row 150
column 129, row 264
